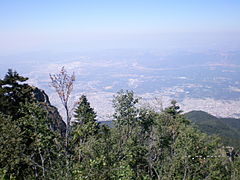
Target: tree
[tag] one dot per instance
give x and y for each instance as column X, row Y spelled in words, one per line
column 28, row 147
column 131, row 126
column 178, row 151
column 43, row 145
column 126, row 113
column 85, row 124
column 27, row 144
column 14, row 91
column 174, row 109
column 11, row 148
column 63, row 84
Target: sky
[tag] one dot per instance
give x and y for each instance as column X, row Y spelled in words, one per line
column 58, row 25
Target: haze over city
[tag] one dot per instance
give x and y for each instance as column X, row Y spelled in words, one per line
column 120, row 89
column 183, row 50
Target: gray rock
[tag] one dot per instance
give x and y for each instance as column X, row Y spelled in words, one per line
column 57, row 124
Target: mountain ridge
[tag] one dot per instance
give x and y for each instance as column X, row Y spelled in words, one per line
column 228, row 129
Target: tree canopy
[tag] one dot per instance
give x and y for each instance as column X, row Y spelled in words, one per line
column 141, row 144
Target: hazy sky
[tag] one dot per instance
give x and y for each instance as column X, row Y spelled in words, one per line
column 27, row 25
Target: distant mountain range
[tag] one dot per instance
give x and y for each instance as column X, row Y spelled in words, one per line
column 228, row 129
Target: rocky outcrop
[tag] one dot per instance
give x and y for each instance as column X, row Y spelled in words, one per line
column 57, row 124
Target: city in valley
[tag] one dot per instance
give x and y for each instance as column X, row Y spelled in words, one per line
column 200, row 80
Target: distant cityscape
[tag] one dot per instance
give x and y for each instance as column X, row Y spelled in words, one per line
column 207, row 81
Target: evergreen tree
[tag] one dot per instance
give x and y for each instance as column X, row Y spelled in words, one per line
column 85, row 123
column 84, row 126
column 14, row 91
column 84, row 113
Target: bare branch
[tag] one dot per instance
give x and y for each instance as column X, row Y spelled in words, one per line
column 63, row 85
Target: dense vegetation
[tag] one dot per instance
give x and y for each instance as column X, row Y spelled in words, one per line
column 228, row 129
column 141, row 144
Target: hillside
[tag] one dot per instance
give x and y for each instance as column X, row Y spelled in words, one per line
column 227, row 128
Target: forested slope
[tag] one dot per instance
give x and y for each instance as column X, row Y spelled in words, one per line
column 227, row 128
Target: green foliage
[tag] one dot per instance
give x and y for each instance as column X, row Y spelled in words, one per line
column 182, row 152
column 142, row 144
column 43, row 144
column 29, row 148
column 228, row 129
column 126, row 112
column 84, row 132
column 85, row 124
column 174, row 109
column 96, row 157
column 13, row 92
column 11, row 148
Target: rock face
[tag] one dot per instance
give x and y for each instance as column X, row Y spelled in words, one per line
column 57, row 124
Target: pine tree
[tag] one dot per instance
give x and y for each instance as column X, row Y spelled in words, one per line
column 85, row 123
column 14, row 91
